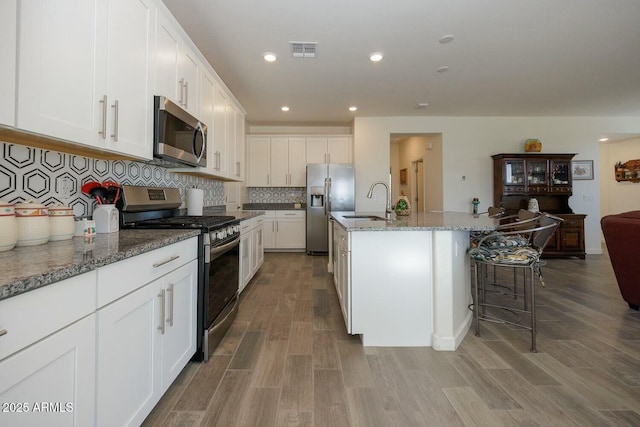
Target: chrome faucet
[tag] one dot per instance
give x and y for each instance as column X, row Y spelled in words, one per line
column 388, row 215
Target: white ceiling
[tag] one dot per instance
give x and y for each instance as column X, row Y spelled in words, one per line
column 508, row 58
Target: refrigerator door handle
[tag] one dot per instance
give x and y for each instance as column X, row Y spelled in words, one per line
column 325, row 195
column 328, row 197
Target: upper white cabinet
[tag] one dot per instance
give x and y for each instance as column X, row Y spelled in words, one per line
column 84, row 72
column 8, row 38
column 277, row 162
column 177, row 67
column 332, row 149
column 239, row 170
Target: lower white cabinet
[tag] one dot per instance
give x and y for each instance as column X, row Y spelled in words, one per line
column 144, row 340
column 47, row 355
column 342, row 271
column 251, row 250
column 285, row 230
column 52, row 382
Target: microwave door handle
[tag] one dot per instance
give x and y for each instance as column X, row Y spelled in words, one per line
column 198, row 130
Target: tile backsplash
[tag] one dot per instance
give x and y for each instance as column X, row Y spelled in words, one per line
column 277, row 194
column 32, row 173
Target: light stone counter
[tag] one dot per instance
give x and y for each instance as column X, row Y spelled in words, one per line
column 445, row 221
column 25, row 268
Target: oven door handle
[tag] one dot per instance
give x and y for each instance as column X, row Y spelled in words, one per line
column 219, row 249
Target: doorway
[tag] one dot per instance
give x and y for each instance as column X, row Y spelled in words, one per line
column 418, row 195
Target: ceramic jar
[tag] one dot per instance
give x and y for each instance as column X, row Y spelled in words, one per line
column 8, row 226
column 61, row 223
column 33, row 223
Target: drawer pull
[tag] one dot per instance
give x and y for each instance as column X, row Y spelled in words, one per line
column 3, row 332
column 161, row 263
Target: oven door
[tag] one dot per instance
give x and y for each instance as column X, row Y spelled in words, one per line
column 222, row 298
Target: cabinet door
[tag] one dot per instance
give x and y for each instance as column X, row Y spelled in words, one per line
column 207, row 95
column 220, row 131
column 59, row 369
column 60, row 62
column 259, row 161
column 279, row 162
column 316, row 150
column 537, row 175
column 179, row 339
column 269, row 233
column 166, row 59
column 245, row 260
column 129, row 345
column 129, row 84
column 344, row 284
column 258, row 247
column 514, row 175
column 290, row 233
column 8, row 53
column 240, row 147
column 297, row 162
column 188, row 81
column 231, row 140
column 339, row 149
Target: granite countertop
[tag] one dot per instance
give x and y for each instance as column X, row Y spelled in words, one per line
column 274, row 206
column 245, row 214
column 442, row 221
column 31, row 267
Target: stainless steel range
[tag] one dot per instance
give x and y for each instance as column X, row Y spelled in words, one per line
column 218, row 255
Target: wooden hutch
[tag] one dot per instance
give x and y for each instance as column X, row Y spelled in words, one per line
column 547, row 177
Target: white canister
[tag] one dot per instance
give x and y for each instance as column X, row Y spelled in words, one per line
column 195, row 201
column 33, row 223
column 533, row 205
column 8, row 226
column 106, row 218
column 61, row 222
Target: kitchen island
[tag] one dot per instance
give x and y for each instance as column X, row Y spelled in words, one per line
column 405, row 282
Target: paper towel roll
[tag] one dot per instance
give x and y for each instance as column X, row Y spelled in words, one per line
column 195, row 201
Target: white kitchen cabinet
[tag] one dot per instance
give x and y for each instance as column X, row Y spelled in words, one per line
column 230, row 112
column 251, row 250
column 48, row 354
column 332, row 149
column 146, row 330
column 177, row 70
column 239, row 167
column 220, row 132
column 8, row 53
column 342, row 271
column 284, row 230
column 84, row 72
column 281, row 159
column 259, row 154
column 59, row 372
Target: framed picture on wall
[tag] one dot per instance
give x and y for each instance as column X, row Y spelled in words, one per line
column 403, row 176
column 582, row 169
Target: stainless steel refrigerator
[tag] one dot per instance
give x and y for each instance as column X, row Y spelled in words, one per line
column 330, row 187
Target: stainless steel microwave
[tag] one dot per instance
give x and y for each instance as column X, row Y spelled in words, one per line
column 178, row 137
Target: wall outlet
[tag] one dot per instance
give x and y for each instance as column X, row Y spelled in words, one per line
column 65, row 187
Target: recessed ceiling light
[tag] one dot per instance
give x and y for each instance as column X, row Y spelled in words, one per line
column 353, row 108
column 422, row 105
column 269, row 56
column 446, row 39
column 603, row 139
column 285, row 108
column 443, row 69
column 376, row 57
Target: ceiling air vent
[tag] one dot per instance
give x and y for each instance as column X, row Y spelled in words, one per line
column 303, row 49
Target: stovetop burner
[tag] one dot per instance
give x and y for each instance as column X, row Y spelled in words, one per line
column 186, row 222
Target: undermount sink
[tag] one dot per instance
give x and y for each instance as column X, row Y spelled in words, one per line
column 369, row 217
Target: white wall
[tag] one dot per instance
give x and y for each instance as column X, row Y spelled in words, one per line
column 617, row 196
column 468, row 143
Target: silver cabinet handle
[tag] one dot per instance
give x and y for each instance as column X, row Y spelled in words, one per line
column 161, row 326
column 115, row 121
column 273, row 226
column 181, row 100
column 329, row 157
column 103, row 132
column 268, row 179
column 186, row 94
column 3, row 332
column 237, row 168
column 161, row 263
column 170, row 319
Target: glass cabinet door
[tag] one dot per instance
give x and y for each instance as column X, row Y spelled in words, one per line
column 537, row 172
column 560, row 173
column 514, row 172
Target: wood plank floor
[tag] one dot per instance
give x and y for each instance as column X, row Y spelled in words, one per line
column 287, row 361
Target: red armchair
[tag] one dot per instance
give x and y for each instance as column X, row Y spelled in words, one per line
column 622, row 235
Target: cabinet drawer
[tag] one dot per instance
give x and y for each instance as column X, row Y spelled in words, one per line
column 31, row 316
column 246, row 226
column 120, row 278
column 290, row 214
column 341, row 236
